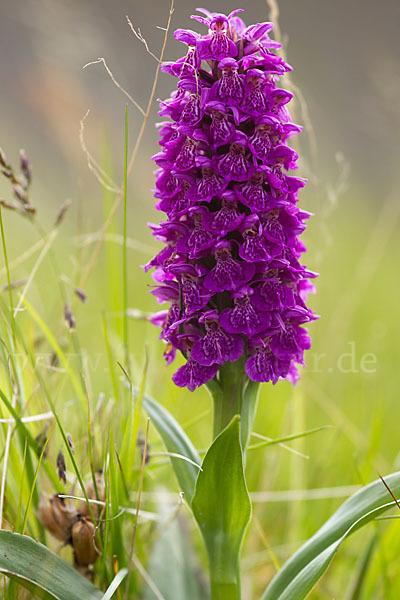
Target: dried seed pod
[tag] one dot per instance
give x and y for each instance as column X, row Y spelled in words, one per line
column 91, row 494
column 83, row 542
column 58, row 516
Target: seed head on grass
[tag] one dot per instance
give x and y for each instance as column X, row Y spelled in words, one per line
column 230, row 267
column 20, row 184
column 61, row 467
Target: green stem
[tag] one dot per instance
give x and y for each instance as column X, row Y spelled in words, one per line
column 225, row 591
column 227, row 398
column 232, row 395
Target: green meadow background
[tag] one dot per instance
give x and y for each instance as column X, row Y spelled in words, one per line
column 346, row 63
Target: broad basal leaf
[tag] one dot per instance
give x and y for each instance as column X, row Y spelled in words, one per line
column 41, row 571
column 303, row 570
column 221, row 504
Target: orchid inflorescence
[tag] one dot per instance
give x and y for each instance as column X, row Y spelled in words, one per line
column 230, row 265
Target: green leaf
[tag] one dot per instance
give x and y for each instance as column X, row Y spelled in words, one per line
column 41, row 571
column 286, row 438
column 356, row 588
column 176, row 441
column 114, row 585
column 303, row 570
column 222, row 508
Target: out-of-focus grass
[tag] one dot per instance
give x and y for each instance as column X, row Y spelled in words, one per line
column 356, row 249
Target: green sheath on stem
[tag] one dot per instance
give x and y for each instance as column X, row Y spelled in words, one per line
column 221, row 503
column 222, row 508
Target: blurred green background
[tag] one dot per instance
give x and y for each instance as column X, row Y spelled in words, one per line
column 346, row 62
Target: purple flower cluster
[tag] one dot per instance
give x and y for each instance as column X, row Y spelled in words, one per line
column 230, row 266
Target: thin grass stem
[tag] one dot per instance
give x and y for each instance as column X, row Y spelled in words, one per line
column 28, row 506
column 137, row 509
column 124, row 251
column 5, row 463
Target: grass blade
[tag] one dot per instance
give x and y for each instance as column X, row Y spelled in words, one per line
column 302, row 571
column 116, row 582
column 286, row 438
column 41, row 571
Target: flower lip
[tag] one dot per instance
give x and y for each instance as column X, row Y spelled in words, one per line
column 192, row 374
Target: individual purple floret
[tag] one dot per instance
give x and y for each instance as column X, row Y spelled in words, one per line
column 230, row 267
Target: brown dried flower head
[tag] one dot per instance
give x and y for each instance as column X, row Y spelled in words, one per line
column 58, row 516
column 83, row 541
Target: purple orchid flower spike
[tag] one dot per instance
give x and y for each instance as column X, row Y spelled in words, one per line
column 230, row 268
